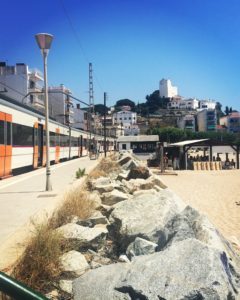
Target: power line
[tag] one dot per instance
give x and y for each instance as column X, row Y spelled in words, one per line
column 78, row 40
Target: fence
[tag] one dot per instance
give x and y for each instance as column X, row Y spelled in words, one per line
column 13, row 289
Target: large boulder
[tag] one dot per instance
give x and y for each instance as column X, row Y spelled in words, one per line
column 113, row 197
column 103, row 185
column 143, row 184
column 74, row 262
column 84, row 236
column 192, row 224
column 139, row 172
column 143, row 216
column 96, row 219
column 187, row 270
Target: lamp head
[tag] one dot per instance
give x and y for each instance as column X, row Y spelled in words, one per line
column 44, row 40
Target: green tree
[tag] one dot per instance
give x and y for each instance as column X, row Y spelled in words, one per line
column 100, row 108
column 154, row 102
column 227, row 110
column 125, row 102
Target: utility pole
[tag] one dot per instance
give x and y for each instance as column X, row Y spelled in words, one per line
column 91, row 101
column 105, row 146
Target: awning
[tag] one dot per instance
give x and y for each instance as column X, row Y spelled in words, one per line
column 189, row 142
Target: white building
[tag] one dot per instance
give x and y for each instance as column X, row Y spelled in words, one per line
column 207, row 120
column 207, row 104
column 187, row 122
column 18, row 82
column 127, row 120
column 60, row 104
column 125, row 117
column 185, row 104
column 138, row 144
column 166, row 89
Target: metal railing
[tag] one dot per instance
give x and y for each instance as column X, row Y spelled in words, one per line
column 12, row 289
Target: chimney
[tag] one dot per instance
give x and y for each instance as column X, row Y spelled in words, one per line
column 78, row 106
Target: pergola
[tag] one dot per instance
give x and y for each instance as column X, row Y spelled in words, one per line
column 187, row 145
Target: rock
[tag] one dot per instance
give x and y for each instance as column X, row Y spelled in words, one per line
column 53, row 295
column 144, row 184
column 66, row 286
column 113, row 197
column 74, row 262
column 188, row 269
column 101, row 260
column 102, row 185
column 191, row 224
column 144, row 216
column 141, row 247
column 95, row 265
column 123, row 160
column 130, row 165
column 123, row 175
column 84, row 235
column 94, row 197
column 95, row 219
column 123, row 258
column 139, row 172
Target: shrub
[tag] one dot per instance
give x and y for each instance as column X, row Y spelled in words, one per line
column 76, row 203
column 80, row 173
column 40, row 262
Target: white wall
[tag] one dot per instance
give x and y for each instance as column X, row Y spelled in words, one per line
column 166, row 89
column 125, row 117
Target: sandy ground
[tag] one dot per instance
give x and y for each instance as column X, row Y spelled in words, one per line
column 214, row 193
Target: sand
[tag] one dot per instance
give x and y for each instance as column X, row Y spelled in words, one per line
column 214, row 193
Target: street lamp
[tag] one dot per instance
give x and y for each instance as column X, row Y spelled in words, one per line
column 44, row 41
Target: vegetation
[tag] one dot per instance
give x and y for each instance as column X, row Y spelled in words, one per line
column 125, row 102
column 100, row 109
column 173, row 135
column 40, row 262
column 80, row 173
column 39, row 267
column 106, row 166
column 77, row 202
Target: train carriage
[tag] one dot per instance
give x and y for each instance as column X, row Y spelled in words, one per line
column 23, row 139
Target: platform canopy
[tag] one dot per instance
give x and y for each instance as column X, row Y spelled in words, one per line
column 186, row 143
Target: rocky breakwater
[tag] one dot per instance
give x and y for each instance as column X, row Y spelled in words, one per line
column 145, row 243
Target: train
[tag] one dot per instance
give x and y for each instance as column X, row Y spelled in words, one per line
column 23, row 139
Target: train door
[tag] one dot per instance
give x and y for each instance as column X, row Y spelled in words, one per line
column 57, row 145
column 38, row 146
column 81, row 145
column 5, row 145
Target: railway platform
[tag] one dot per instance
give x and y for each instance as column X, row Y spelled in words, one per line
column 23, row 199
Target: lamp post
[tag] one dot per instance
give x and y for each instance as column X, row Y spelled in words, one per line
column 44, row 41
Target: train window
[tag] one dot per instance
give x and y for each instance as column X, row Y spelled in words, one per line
column 2, row 132
column 36, row 136
column 22, row 135
column 57, row 139
column 9, row 133
column 52, row 139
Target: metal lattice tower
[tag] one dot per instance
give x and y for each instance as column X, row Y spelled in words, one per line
column 91, row 97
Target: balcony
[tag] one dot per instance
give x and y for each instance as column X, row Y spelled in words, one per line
column 35, row 75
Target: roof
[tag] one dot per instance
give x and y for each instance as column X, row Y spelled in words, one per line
column 184, row 143
column 138, row 138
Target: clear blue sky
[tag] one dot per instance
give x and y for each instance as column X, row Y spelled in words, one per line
column 132, row 45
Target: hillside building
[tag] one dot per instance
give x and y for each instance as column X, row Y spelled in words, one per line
column 184, row 104
column 207, row 104
column 207, row 120
column 231, row 122
column 187, row 122
column 127, row 121
column 166, row 89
